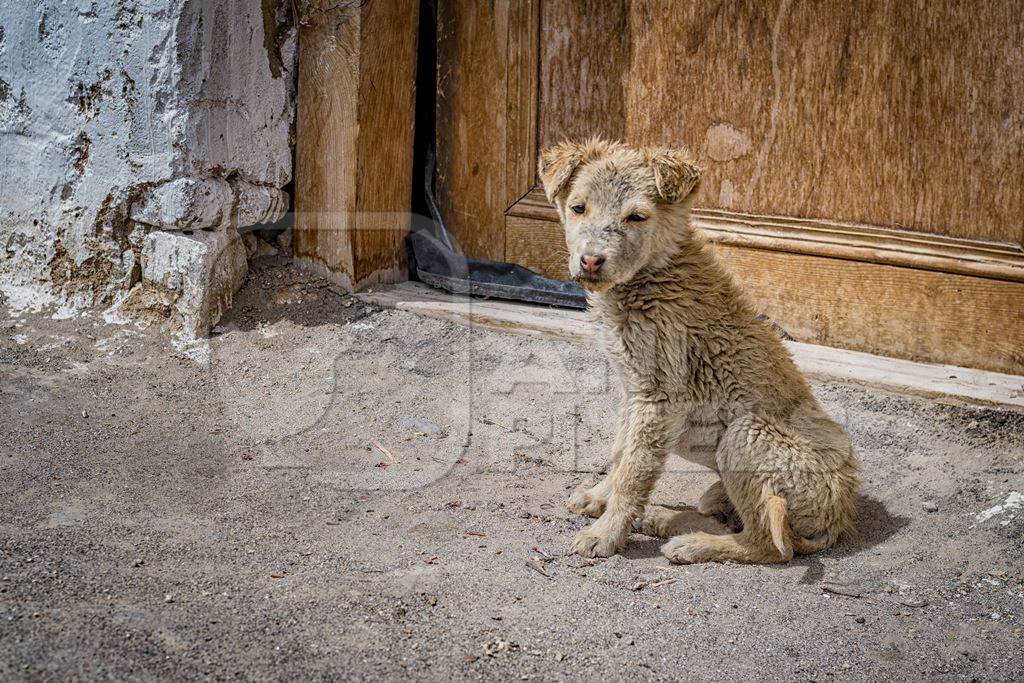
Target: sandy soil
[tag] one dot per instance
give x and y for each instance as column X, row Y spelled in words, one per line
column 328, row 490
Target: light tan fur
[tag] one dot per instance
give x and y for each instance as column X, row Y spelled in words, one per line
column 701, row 375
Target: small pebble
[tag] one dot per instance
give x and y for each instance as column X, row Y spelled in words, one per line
column 860, row 620
column 930, row 506
column 168, row 598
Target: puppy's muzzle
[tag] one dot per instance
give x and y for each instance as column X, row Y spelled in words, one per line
column 591, row 263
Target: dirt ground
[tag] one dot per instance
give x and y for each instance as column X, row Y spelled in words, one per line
column 331, row 491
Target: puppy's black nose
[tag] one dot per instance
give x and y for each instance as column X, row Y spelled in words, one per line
column 591, row 263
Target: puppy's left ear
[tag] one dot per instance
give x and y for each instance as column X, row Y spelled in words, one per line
column 675, row 173
column 556, row 166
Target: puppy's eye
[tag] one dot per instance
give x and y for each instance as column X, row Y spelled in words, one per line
column 636, row 218
column 578, row 208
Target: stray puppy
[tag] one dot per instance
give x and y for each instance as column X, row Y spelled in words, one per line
column 701, row 375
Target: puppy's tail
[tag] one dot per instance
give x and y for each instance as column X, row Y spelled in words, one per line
column 778, row 525
column 783, row 538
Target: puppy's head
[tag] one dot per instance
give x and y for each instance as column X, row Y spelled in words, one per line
column 622, row 208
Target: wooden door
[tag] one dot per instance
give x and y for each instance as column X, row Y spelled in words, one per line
column 864, row 162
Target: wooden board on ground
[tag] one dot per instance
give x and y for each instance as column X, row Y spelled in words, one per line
column 817, row 361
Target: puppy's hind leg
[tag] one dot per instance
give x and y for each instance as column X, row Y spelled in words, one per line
column 715, row 501
column 749, row 458
column 665, row 522
column 705, row 547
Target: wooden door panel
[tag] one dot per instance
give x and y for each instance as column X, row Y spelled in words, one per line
column 892, row 113
column 584, row 70
column 864, row 161
column 889, row 113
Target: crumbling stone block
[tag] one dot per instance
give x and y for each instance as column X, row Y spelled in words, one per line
column 167, row 115
column 256, row 204
column 202, row 270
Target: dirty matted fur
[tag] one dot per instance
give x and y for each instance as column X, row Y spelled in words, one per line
column 701, row 375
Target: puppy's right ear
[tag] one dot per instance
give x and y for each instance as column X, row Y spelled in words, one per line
column 556, row 166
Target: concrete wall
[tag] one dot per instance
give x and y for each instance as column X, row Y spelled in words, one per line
column 136, row 136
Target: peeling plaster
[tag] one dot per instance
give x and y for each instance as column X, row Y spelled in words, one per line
column 103, row 103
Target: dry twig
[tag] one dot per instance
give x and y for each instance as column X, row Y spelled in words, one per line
column 392, row 460
column 535, row 564
column 837, row 589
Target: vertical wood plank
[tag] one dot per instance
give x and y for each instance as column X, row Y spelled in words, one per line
column 387, row 77
column 354, row 132
column 325, row 144
column 472, row 42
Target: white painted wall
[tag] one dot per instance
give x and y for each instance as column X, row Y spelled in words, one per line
column 108, row 108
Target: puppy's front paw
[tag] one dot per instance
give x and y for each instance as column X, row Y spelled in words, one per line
column 593, row 542
column 587, row 501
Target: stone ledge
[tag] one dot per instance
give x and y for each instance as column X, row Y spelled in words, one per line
column 191, row 203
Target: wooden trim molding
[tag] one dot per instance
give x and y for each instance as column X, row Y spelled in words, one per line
column 523, row 72
column 837, row 240
column 910, row 313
